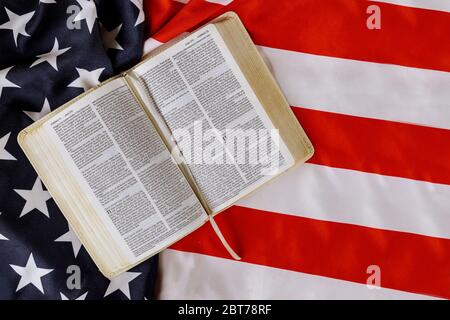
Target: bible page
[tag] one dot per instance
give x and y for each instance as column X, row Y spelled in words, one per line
column 226, row 139
column 120, row 161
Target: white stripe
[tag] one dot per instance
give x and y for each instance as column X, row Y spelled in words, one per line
column 359, row 198
column 441, row 5
column 194, row 276
column 222, row 2
column 364, row 89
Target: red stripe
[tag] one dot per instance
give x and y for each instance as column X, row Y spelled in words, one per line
column 408, row 262
column 378, row 146
column 161, row 12
column 408, row 36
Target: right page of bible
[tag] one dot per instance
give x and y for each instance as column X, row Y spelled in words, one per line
column 227, row 141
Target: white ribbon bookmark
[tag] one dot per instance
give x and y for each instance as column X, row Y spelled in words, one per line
column 222, row 238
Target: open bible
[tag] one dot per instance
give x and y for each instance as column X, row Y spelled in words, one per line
column 146, row 157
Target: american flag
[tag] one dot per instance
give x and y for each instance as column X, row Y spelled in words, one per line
column 374, row 201
column 50, row 52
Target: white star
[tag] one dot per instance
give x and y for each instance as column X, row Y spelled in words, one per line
column 35, row 116
column 5, row 155
column 51, row 56
column 47, row 1
column 70, row 236
column 82, row 297
column 109, row 37
column 141, row 16
column 87, row 79
column 30, row 274
column 17, row 23
column 5, row 83
column 36, row 198
column 122, row 283
column 88, row 12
